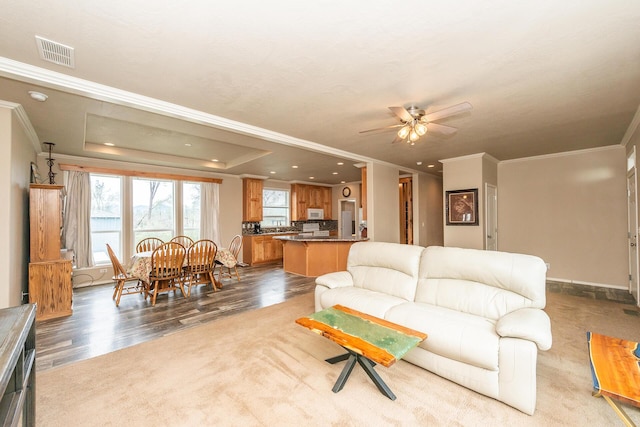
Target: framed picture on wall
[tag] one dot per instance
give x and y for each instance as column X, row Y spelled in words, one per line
column 462, row 207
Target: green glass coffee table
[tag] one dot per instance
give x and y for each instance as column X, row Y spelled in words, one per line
column 367, row 339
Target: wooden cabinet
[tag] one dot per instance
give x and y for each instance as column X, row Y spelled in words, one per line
column 50, row 284
column 299, row 196
column 45, row 222
column 259, row 249
column 252, row 199
column 18, row 366
column 305, row 196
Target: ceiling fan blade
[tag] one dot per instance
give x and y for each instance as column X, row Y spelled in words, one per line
column 442, row 129
column 402, row 113
column 381, row 129
column 456, row 109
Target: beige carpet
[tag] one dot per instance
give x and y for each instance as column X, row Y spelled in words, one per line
column 260, row 368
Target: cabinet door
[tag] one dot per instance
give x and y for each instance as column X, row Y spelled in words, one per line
column 45, row 210
column 252, row 199
column 326, row 202
column 299, row 197
column 315, row 197
column 50, row 287
column 257, row 248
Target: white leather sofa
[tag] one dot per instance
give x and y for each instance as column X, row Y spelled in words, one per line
column 482, row 310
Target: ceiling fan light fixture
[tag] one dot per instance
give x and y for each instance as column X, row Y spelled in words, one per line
column 404, row 131
column 413, row 136
column 420, row 128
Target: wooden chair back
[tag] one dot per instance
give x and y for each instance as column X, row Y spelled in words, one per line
column 166, row 261
column 236, row 245
column 149, row 244
column 118, row 269
column 201, row 256
column 185, row 241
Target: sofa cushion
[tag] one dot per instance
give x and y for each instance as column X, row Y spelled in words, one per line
column 484, row 283
column 370, row 302
column 452, row 334
column 389, row 268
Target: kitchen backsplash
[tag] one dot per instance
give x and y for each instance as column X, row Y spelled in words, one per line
column 248, row 228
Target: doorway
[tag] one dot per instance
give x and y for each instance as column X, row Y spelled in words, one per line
column 348, row 217
column 632, row 233
column 491, row 217
column 406, row 210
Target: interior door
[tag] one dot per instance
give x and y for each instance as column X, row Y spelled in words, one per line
column 491, row 218
column 632, row 233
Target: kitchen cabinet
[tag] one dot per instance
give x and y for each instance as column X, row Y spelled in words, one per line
column 305, row 196
column 49, row 273
column 252, row 199
column 259, row 249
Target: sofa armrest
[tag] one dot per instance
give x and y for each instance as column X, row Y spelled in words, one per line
column 530, row 324
column 338, row 279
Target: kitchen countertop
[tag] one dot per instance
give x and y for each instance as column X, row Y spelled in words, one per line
column 322, row 238
column 271, row 233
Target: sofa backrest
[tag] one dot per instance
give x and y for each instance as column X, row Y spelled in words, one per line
column 485, row 283
column 390, row 268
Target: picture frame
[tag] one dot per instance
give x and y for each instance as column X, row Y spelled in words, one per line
column 462, row 207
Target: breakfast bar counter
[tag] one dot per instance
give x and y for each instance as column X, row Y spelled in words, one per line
column 316, row 255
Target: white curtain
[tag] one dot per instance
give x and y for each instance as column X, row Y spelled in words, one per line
column 210, row 212
column 77, row 218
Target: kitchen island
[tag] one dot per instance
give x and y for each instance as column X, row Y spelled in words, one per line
column 314, row 256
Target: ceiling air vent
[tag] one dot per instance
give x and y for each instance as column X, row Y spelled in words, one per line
column 55, row 52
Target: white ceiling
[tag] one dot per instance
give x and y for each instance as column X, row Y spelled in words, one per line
column 262, row 86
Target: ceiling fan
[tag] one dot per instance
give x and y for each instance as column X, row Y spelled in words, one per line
column 415, row 123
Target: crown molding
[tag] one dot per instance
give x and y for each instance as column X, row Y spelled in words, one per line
column 562, row 154
column 25, row 123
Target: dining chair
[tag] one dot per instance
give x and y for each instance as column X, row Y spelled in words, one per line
column 120, row 277
column 166, row 270
column 185, row 241
column 200, row 264
column 232, row 263
column 149, row 244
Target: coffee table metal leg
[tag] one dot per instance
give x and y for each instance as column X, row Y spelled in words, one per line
column 382, row 386
column 366, row 364
column 346, row 371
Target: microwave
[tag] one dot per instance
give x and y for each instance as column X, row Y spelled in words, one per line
column 315, row 213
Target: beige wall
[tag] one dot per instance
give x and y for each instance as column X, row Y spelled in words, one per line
column 16, row 155
column 383, row 213
column 427, row 210
column 570, row 209
column 464, row 173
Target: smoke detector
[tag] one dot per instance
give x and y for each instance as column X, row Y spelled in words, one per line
column 55, row 52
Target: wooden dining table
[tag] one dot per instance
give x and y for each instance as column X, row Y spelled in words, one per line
column 140, row 264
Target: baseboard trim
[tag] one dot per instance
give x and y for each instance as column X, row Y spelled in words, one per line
column 595, row 285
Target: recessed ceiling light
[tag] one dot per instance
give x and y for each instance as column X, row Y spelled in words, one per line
column 272, row 172
column 215, row 160
column 342, row 182
column 187, row 145
column 418, row 163
column 335, row 173
column 110, row 144
column 38, row 96
column 431, row 166
column 312, row 177
column 294, row 166
column 340, row 163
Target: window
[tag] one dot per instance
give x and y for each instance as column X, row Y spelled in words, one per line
column 106, row 216
column 191, row 209
column 275, row 208
column 153, row 209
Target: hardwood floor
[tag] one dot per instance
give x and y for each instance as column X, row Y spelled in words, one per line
column 98, row 327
